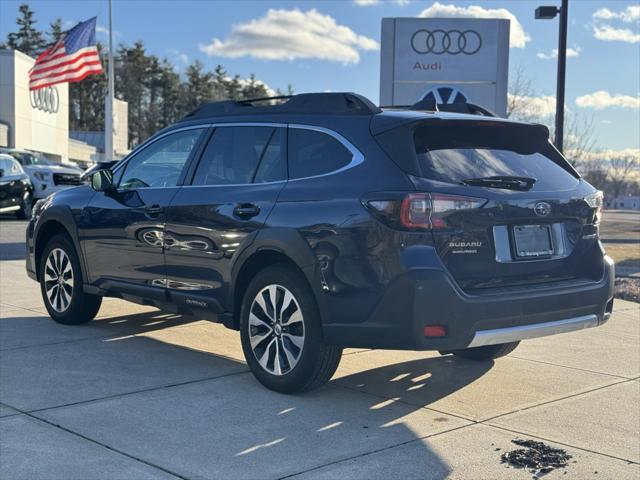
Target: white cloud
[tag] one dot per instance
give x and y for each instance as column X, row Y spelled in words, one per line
column 543, row 106
column 368, row 3
column 244, row 82
column 289, row 35
column 518, row 37
column 608, row 33
column 571, row 52
column 612, row 34
column 610, row 154
column 178, row 56
column 603, row 99
column 628, row 15
column 104, row 31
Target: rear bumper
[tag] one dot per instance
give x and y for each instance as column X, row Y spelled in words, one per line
column 430, row 297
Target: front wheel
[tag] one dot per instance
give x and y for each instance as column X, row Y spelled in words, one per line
column 487, row 352
column 281, row 333
column 61, row 284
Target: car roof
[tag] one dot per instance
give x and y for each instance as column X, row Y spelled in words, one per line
column 334, row 110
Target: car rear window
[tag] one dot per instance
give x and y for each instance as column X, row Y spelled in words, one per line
column 453, row 151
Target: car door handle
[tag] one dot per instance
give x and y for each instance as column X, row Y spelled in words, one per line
column 153, row 210
column 246, row 210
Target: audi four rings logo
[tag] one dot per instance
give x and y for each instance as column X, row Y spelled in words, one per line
column 439, row 42
column 46, row 99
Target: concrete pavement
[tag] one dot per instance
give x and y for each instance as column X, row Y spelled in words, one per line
column 143, row 394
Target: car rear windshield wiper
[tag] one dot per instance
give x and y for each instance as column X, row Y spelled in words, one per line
column 507, row 182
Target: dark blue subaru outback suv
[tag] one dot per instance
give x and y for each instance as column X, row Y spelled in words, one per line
column 320, row 221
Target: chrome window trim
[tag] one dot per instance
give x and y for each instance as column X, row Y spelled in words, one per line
column 356, row 156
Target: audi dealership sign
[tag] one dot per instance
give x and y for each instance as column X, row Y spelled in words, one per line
column 46, row 99
column 452, row 59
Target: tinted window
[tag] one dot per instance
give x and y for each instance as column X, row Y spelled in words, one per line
column 234, row 155
column 454, row 154
column 314, row 153
column 160, row 164
column 29, row 159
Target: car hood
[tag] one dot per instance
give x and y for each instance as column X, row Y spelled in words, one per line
column 51, row 169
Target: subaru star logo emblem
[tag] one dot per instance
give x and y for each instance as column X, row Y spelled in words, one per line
column 542, row 209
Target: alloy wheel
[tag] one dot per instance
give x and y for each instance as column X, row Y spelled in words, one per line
column 276, row 329
column 58, row 280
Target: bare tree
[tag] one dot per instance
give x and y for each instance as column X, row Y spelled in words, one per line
column 525, row 104
column 621, row 170
column 520, row 91
column 579, row 140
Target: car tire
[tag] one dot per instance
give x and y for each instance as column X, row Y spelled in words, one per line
column 65, row 299
column 487, row 352
column 26, row 208
column 281, row 332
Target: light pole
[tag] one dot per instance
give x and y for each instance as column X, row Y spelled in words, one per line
column 108, row 111
column 547, row 13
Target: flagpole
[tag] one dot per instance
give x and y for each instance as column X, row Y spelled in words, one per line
column 108, row 113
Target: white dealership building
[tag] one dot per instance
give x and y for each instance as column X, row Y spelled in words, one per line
column 39, row 120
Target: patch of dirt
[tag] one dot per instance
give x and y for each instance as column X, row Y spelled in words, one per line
column 537, row 457
column 628, row 289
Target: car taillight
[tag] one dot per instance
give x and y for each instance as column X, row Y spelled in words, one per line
column 422, row 211
column 596, row 201
column 430, row 210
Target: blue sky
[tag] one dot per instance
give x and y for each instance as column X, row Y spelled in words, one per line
column 331, row 45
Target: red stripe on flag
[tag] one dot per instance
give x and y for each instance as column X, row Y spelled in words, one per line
column 76, row 79
column 49, row 56
column 68, row 71
column 35, row 72
column 65, row 77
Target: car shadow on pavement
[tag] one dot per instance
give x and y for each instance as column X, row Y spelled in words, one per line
column 137, row 387
column 13, row 251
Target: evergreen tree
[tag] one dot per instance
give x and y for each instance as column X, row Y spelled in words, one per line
column 55, row 31
column 27, row 39
column 199, row 88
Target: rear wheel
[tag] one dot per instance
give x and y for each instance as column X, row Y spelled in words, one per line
column 487, row 352
column 25, row 207
column 281, row 333
column 61, row 284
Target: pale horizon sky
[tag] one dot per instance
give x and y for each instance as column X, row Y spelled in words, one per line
column 334, row 45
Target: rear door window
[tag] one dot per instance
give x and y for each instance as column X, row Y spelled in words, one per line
column 312, row 152
column 240, row 155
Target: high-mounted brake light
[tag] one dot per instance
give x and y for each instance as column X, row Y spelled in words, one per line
column 430, row 210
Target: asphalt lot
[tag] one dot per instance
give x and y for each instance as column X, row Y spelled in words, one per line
column 141, row 394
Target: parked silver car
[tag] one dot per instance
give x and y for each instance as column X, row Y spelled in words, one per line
column 47, row 177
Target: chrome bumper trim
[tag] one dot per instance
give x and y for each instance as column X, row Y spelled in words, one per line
column 523, row 332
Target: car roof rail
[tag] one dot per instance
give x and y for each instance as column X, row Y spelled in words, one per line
column 430, row 105
column 330, row 103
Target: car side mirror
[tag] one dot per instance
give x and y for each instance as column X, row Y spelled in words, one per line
column 102, row 181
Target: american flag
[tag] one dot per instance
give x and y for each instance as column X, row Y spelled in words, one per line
column 73, row 57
